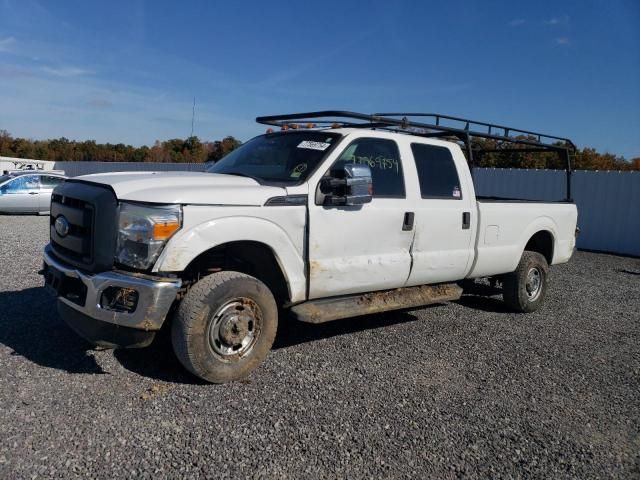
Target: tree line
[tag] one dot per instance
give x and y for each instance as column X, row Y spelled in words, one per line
column 583, row 159
column 194, row 150
column 177, row 150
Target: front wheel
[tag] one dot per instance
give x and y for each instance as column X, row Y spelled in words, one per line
column 525, row 289
column 225, row 326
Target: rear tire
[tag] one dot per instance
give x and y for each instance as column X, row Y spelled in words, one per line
column 225, row 326
column 524, row 289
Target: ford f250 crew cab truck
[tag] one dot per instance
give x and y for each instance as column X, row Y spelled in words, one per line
column 334, row 215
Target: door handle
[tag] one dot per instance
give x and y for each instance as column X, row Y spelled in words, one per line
column 466, row 220
column 407, row 224
column 33, row 193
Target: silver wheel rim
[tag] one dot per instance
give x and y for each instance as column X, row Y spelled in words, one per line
column 234, row 328
column 533, row 285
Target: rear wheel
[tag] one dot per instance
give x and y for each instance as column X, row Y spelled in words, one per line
column 225, row 326
column 525, row 288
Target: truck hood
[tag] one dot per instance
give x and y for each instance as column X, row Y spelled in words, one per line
column 185, row 187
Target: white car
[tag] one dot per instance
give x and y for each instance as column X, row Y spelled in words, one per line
column 368, row 214
column 28, row 192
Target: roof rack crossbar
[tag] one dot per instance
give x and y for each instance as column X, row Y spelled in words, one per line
column 508, row 131
column 564, row 147
column 381, row 120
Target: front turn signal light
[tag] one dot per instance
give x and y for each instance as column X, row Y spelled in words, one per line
column 164, row 230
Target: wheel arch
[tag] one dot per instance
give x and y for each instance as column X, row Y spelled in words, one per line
column 247, row 238
column 540, row 236
column 542, row 242
column 245, row 256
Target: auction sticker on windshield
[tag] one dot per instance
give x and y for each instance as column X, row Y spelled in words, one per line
column 314, row 145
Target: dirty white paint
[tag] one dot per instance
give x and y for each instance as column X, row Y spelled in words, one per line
column 351, row 249
column 442, row 250
column 204, row 227
column 517, row 223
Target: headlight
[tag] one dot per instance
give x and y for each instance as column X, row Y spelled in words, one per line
column 143, row 231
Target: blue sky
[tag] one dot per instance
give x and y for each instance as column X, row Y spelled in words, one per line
column 128, row 71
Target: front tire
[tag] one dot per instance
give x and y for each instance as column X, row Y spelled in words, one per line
column 524, row 289
column 225, row 326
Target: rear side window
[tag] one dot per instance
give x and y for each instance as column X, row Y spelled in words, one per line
column 47, row 181
column 436, row 172
column 383, row 158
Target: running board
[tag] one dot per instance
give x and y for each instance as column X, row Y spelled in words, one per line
column 327, row 309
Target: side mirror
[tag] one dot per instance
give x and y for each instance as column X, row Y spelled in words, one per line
column 349, row 186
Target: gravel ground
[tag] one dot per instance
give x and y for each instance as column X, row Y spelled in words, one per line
column 465, row 389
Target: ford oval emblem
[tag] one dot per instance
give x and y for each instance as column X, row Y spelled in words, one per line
column 62, row 226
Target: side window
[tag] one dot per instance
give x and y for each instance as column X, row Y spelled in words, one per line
column 436, row 172
column 50, row 182
column 22, row 184
column 383, row 158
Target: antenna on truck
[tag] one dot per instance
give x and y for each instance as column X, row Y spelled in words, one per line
column 193, row 115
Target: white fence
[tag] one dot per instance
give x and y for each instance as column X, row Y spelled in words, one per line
column 608, row 202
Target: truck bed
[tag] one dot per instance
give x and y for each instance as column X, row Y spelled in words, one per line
column 506, row 225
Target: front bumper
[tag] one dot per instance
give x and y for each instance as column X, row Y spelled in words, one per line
column 81, row 302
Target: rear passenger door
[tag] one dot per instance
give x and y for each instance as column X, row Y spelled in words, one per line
column 443, row 246
column 354, row 249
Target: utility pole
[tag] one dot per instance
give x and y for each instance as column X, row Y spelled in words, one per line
column 193, row 115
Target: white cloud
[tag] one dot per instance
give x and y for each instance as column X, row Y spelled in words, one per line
column 516, row 22
column 5, row 44
column 561, row 20
column 562, row 41
column 67, row 71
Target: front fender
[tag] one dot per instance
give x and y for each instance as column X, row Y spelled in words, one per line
column 187, row 244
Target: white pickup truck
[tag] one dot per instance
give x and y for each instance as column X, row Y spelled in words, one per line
column 324, row 218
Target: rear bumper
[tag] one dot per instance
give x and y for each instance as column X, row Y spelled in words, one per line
column 82, row 305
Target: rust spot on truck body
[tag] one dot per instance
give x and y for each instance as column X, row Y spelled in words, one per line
column 410, row 296
column 315, row 266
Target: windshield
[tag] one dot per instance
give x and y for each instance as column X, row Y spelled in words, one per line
column 283, row 158
column 4, row 178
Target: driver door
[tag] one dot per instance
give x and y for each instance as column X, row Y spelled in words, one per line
column 363, row 248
